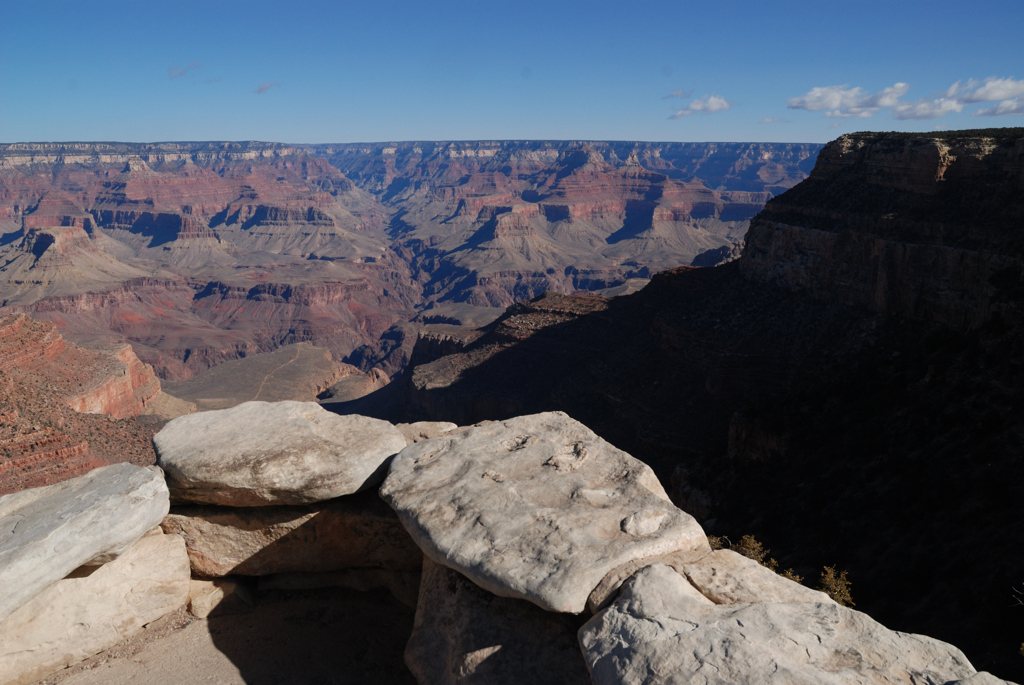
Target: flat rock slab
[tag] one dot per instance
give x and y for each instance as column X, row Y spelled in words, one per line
column 537, row 508
column 46, row 533
column 269, row 453
column 358, row 531
column 77, row 617
column 662, row 630
column 465, row 635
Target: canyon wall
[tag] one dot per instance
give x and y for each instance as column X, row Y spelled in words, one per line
column 920, row 228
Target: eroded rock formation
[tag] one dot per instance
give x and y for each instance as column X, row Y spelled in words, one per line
column 57, row 400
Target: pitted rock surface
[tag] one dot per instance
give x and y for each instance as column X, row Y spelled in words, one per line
column 424, row 430
column 537, row 507
column 267, row 453
column 662, row 630
column 46, row 533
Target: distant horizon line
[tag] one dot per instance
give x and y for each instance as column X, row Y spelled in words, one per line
column 1001, row 131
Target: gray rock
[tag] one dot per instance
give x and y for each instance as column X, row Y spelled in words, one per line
column 537, row 507
column 726, row 577
column 358, row 531
column 662, row 630
column 266, row 453
column 80, row 616
column 424, row 430
column 464, row 635
column 48, row 532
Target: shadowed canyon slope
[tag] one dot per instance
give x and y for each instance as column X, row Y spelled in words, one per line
column 850, row 390
column 197, row 253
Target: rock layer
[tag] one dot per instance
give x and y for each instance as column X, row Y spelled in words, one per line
column 909, row 226
column 46, row 533
column 81, row 616
column 265, row 453
column 357, row 531
column 537, row 507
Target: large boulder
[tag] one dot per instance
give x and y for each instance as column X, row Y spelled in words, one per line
column 48, row 532
column 358, row 531
column 661, row 629
column 465, row 635
column 77, row 617
column 537, row 508
column 269, row 453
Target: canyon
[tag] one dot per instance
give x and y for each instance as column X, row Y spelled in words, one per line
column 846, row 384
column 199, row 253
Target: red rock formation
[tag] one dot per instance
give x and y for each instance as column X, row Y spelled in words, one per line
column 106, row 380
column 43, row 380
column 198, row 253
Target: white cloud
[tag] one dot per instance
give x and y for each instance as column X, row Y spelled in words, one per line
column 1013, row 106
column 844, row 102
column 708, row 104
column 677, row 94
column 993, row 89
column 927, row 108
column 773, row 120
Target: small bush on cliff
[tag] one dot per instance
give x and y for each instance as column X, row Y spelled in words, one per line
column 749, row 547
column 836, row 586
column 789, row 573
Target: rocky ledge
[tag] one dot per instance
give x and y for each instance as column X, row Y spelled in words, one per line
column 547, row 556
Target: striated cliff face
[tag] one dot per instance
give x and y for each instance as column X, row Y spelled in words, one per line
column 850, row 390
column 60, row 404
column 105, row 380
column 921, row 228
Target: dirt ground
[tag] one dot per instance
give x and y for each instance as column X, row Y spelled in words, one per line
column 312, row 637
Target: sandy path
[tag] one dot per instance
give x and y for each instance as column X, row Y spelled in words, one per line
column 322, row 636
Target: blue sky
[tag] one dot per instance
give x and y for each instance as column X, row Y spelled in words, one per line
column 311, row 72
